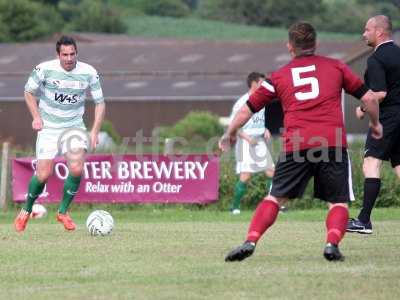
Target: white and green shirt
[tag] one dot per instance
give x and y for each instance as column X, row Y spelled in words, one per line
column 62, row 93
column 256, row 125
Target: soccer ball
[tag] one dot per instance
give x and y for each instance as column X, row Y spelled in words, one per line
column 38, row 211
column 100, row 222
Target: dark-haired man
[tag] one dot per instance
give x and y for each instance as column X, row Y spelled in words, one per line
column 60, row 86
column 252, row 154
column 382, row 75
column 314, row 139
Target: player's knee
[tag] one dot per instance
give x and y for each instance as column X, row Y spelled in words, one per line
column 75, row 168
column 371, row 168
column 270, row 173
column 278, row 200
column 244, row 177
column 332, row 205
column 397, row 171
column 43, row 174
column 365, row 170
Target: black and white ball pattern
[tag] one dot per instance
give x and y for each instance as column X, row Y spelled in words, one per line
column 100, row 222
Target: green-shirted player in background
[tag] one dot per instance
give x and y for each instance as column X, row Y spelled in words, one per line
column 251, row 151
column 61, row 86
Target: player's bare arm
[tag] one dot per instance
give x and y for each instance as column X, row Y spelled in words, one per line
column 31, row 102
column 241, row 118
column 99, row 113
column 267, row 134
column 246, row 137
column 361, row 110
column 370, row 101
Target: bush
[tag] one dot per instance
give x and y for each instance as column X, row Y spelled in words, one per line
column 259, row 12
column 93, row 16
column 341, row 17
column 335, row 16
column 389, row 195
column 256, row 189
column 390, row 188
column 197, row 127
column 166, row 8
column 108, row 127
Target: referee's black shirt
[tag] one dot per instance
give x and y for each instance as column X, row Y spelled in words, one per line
column 383, row 73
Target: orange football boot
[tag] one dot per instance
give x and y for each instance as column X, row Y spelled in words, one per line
column 66, row 220
column 21, row 220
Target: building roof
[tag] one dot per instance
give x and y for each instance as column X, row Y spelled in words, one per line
column 146, row 68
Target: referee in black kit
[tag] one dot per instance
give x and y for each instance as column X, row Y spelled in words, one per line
column 382, row 75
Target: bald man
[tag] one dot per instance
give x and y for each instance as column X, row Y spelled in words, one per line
column 383, row 75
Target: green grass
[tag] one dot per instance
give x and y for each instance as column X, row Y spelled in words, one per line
column 176, row 253
column 192, row 28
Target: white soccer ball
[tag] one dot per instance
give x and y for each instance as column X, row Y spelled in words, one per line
column 100, row 222
column 38, row 211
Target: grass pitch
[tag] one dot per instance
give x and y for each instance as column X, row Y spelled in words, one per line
column 174, row 253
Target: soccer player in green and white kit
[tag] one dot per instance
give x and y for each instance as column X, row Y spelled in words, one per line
column 61, row 86
column 251, row 152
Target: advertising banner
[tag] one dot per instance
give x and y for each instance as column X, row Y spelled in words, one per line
column 147, row 178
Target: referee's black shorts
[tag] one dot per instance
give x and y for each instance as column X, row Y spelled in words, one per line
column 330, row 168
column 388, row 147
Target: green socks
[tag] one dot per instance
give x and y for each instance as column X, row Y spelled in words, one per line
column 240, row 190
column 34, row 190
column 71, row 186
column 268, row 184
column 36, row 187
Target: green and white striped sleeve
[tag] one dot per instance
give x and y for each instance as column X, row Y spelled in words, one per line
column 35, row 80
column 95, row 89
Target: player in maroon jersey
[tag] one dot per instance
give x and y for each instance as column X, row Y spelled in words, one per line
column 314, row 139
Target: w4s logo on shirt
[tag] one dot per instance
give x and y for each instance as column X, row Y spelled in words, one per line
column 65, row 98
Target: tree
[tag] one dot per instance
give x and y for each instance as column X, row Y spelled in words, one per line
column 351, row 15
column 23, row 20
column 51, row 2
column 170, row 8
column 260, row 12
column 375, row 2
column 334, row 15
column 94, row 16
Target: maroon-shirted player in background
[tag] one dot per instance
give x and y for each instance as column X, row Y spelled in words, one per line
column 314, row 139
